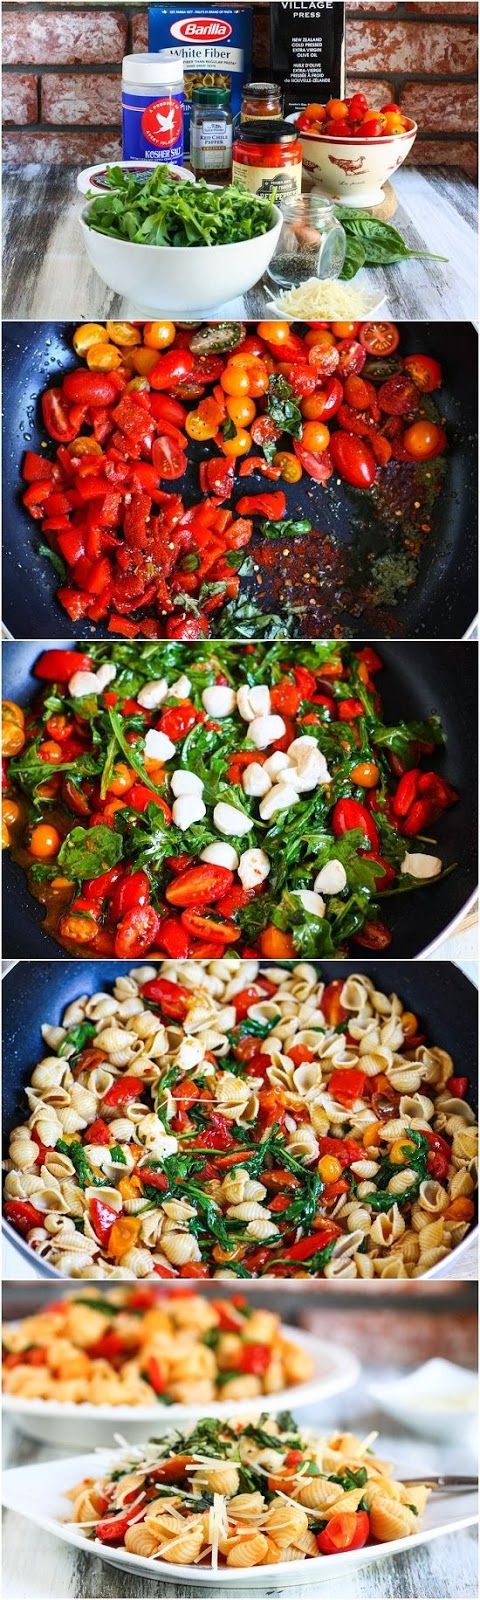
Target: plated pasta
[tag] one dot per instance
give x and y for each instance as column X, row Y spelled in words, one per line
column 214, row 1119
column 247, row 1495
column 136, row 1349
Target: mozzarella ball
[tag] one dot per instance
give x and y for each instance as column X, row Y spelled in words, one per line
column 219, row 700
column 221, row 855
column 265, row 730
column 276, row 763
column 181, row 689
column 254, row 867
column 83, row 683
column 311, row 902
column 185, row 782
column 332, row 878
column 158, row 747
column 280, row 798
column 255, row 780
column 153, row 693
column 253, row 700
column 189, row 808
column 231, row 821
column 420, row 866
column 105, row 675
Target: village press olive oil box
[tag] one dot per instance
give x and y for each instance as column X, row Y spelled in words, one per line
column 214, row 42
column 308, row 50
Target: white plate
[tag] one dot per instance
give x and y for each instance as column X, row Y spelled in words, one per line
column 39, row 1494
column 86, row 1425
column 375, row 300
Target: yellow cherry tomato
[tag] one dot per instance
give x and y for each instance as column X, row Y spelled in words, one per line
column 103, row 358
column 276, row 333
column 50, row 751
column 321, row 337
column 13, row 712
column 400, row 1151
column 143, row 360
column 85, row 446
column 366, row 774
column 45, row 841
column 76, row 928
column 409, row 1023
column 158, row 335
column 235, row 380
column 10, row 812
column 344, row 330
column 239, row 446
column 336, row 110
column 122, row 1236
column 394, row 122
column 124, row 333
column 241, row 410
column 86, row 334
column 122, row 779
column 13, row 731
column 290, row 468
column 330, row 1169
column 204, row 422
column 315, row 437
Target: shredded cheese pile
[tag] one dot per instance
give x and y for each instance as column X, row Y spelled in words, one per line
column 327, row 300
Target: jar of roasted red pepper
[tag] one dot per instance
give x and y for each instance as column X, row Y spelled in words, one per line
column 268, row 157
column 261, row 101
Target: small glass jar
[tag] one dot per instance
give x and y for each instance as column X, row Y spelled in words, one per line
column 267, row 159
column 312, row 242
column 260, row 102
column 211, row 134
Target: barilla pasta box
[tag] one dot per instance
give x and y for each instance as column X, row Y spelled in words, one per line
column 214, row 42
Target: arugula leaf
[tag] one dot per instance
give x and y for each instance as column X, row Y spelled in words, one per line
column 84, row 1171
column 87, row 852
column 400, row 737
column 158, row 211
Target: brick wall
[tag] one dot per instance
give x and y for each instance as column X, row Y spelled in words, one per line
column 61, row 84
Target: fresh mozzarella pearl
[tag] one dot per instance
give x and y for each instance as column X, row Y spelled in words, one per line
column 185, row 782
column 181, row 689
column 219, row 700
column 420, row 866
column 230, row 821
column 264, row 730
column 254, row 868
column 153, row 693
column 83, row 683
column 276, row 763
column 332, row 879
column 311, row 902
column 309, row 771
column 189, row 808
column 158, row 746
column 280, row 798
column 221, row 855
column 305, row 742
column 253, row 700
column 105, row 675
column 255, row 780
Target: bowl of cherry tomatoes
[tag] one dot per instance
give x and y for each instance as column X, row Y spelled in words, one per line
column 350, row 149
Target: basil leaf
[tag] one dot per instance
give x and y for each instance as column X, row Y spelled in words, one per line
column 288, row 530
column 87, row 852
column 78, row 1037
column 354, row 259
column 283, row 408
column 55, row 560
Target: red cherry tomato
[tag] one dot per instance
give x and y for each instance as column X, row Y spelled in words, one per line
column 353, row 459
column 168, row 458
column 348, row 814
column 425, row 371
column 136, row 932
column 348, row 1530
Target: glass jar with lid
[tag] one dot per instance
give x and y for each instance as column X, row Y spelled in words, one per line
column 261, row 101
column 267, row 159
column 312, row 242
column 211, row 134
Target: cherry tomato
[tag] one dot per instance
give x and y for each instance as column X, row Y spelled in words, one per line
column 348, row 814
column 136, row 932
column 319, row 467
column 398, row 395
column 357, row 106
column 348, row 1530
column 353, row 459
column 234, row 380
column 425, row 371
column 168, row 459
column 239, row 445
column 90, row 388
column 424, row 440
column 379, row 338
column 45, row 841
column 241, row 410
column 315, row 437
column 274, row 333
column 158, row 335
column 290, row 469
column 199, row 885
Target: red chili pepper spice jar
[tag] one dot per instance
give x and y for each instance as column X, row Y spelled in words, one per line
column 267, row 158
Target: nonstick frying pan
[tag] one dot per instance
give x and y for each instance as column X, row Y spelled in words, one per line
column 437, row 992
column 419, row 679
column 441, row 604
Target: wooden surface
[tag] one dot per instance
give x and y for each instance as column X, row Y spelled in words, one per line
column 36, row 1564
column 46, row 273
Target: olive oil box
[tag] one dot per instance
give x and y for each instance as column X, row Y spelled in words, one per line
column 214, row 42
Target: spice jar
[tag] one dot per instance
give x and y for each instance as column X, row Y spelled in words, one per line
column 268, row 157
column 312, row 242
column 211, row 134
column 261, row 101
column 152, row 107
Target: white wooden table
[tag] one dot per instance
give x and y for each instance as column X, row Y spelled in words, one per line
column 46, row 272
column 37, row 1567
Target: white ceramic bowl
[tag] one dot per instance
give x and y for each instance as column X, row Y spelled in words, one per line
column 87, row 1425
column 436, row 1401
column 180, row 280
column 354, row 171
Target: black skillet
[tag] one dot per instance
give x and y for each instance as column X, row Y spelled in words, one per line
column 420, row 679
column 437, row 992
column 442, row 603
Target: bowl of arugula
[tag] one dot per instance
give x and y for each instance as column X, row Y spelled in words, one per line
column 178, row 247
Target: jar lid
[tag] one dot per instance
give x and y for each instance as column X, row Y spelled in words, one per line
column 211, row 97
column 270, row 133
column 146, row 67
column 260, row 91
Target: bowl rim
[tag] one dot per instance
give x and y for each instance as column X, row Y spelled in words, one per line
column 178, row 249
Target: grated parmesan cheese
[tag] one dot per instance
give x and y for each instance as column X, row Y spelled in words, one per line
column 326, row 301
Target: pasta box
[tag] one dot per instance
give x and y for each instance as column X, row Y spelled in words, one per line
column 215, row 43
